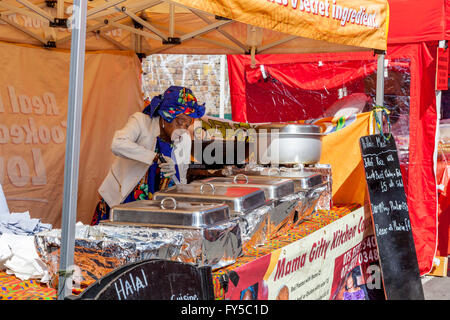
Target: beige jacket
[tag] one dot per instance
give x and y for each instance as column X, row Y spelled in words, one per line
column 134, row 147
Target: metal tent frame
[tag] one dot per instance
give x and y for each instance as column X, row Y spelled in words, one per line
column 146, row 37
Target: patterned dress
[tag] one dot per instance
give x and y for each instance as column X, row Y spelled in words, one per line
column 357, row 295
column 150, row 183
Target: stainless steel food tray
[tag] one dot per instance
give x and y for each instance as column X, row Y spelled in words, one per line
column 303, row 180
column 239, row 199
column 169, row 212
column 274, row 188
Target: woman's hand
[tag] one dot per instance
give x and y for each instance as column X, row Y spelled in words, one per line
column 168, row 167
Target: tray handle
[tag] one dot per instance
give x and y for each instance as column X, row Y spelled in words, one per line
column 273, row 168
column 235, row 179
column 174, row 202
column 207, row 184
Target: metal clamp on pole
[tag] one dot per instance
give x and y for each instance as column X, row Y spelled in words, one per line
column 50, row 3
column 58, row 23
column 141, row 55
column 221, row 18
column 172, row 40
column 50, row 44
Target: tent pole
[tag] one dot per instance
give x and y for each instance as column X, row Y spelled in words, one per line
column 75, row 100
column 23, row 29
column 103, row 7
column 22, row 11
column 36, row 9
column 379, row 99
column 60, row 9
column 442, row 44
column 171, row 20
column 223, row 61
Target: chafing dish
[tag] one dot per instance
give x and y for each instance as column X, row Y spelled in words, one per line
column 240, row 200
column 274, row 188
column 302, row 180
column 312, row 191
column 169, row 213
column 211, row 237
column 248, row 204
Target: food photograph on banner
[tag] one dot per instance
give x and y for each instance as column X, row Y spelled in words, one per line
column 224, row 150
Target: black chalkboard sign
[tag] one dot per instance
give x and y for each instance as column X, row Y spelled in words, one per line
column 391, row 221
column 152, row 279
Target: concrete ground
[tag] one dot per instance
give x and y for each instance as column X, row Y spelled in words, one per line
column 436, row 288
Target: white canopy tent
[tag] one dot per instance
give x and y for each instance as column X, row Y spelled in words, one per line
column 183, row 27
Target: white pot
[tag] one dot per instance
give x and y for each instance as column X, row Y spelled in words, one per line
column 289, row 144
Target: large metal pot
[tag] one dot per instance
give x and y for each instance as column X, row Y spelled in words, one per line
column 280, row 143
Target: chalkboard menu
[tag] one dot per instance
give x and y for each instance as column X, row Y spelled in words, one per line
column 152, row 279
column 392, row 226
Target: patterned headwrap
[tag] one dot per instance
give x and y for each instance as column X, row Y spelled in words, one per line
column 175, row 101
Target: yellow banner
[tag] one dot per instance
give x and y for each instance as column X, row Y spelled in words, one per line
column 34, row 86
column 340, row 149
column 360, row 23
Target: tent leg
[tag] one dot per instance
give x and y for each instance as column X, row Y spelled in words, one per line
column 69, row 210
column 222, row 86
column 379, row 99
column 442, row 44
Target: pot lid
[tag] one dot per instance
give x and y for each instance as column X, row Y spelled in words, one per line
column 290, row 128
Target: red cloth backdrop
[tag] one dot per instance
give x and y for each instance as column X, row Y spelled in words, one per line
column 415, row 26
column 303, row 71
column 418, row 21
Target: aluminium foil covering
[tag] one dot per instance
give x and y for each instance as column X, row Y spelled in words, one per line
column 215, row 245
column 101, row 249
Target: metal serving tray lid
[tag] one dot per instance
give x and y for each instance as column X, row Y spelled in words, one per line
column 239, row 199
column 302, row 180
column 274, row 188
column 169, row 212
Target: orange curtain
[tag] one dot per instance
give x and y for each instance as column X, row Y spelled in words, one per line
column 340, row 149
column 34, row 86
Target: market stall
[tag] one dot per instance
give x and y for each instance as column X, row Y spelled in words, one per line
column 410, row 72
column 152, row 26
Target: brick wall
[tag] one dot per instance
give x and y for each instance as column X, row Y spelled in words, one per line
column 200, row 73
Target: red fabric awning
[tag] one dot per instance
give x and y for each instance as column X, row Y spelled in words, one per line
column 292, row 70
column 417, row 20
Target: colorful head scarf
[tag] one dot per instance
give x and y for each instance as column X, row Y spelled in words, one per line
column 175, row 101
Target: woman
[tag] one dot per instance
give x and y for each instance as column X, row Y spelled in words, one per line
column 283, row 294
column 159, row 131
column 249, row 293
column 352, row 291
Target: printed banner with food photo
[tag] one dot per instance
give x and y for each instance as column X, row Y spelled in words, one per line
column 316, row 267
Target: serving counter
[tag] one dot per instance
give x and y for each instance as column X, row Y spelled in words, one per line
column 12, row 288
